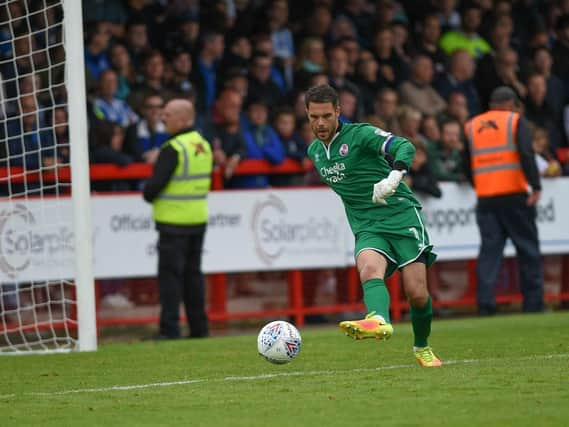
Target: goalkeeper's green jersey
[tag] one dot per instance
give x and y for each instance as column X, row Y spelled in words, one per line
column 359, row 156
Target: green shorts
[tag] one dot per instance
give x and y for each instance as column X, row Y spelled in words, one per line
column 400, row 245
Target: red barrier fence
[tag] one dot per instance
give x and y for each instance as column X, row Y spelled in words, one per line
column 297, row 308
column 110, row 172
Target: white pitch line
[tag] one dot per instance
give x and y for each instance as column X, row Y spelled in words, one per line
column 265, row 376
column 117, row 388
column 313, row 373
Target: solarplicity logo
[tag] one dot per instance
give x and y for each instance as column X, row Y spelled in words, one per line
column 13, row 243
column 22, row 243
column 276, row 232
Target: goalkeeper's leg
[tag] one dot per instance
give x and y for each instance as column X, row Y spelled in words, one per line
column 371, row 266
column 415, row 285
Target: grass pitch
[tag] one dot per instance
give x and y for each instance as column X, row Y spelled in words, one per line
column 502, row 371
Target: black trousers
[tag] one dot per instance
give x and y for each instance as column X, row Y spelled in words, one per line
column 517, row 221
column 180, row 278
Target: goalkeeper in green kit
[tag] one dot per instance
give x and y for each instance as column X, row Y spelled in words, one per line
column 364, row 165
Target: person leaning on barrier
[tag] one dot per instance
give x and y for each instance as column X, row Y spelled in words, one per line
column 178, row 190
column 501, row 166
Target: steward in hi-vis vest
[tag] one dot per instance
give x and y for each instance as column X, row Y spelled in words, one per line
column 500, row 162
column 178, row 190
column 494, row 156
column 184, row 199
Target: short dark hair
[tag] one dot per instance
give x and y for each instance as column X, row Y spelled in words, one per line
column 448, row 121
column 284, row 110
column 503, row 94
column 321, row 95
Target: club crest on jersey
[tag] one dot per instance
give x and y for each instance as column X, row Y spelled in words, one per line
column 343, row 150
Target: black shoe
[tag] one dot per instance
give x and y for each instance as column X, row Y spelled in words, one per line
column 199, row 335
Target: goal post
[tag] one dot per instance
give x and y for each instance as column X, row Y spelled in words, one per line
column 47, row 296
column 80, row 185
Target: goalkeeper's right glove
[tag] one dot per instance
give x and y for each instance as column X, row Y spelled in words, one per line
column 387, row 186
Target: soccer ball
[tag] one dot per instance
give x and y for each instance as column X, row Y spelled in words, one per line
column 279, row 342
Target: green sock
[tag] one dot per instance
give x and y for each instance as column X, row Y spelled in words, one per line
column 376, row 297
column 421, row 320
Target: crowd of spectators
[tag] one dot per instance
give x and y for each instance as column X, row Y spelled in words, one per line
column 417, row 69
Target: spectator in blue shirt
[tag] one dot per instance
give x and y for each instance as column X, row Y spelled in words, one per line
column 96, row 59
column 263, row 44
column 281, row 36
column 29, row 60
column 107, row 107
column 122, row 64
column 294, row 146
column 29, row 146
column 144, row 139
column 205, row 70
column 261, row 142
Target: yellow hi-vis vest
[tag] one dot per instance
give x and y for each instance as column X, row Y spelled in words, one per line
column 184, row 199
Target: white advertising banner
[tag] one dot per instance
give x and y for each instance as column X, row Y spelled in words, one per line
column 274, row 230
column 247, row 231
column 451, row 220
column 36, row 240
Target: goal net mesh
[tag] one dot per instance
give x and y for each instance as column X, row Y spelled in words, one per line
column 38, row 310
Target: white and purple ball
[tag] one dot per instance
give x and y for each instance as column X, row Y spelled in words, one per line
column 279, row 342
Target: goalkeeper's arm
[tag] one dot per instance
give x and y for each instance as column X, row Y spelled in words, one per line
column 401, row 151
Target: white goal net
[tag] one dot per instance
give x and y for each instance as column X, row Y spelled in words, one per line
column 46, row 287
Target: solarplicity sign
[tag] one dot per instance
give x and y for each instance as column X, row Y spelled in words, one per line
column 255, row 230
column 247, row 231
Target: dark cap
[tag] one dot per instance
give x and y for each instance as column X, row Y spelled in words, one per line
column 503, row 94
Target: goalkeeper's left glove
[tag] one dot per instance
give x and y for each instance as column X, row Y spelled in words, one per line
column 387, row 186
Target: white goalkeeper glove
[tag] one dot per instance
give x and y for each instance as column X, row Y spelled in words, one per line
column 387, row 186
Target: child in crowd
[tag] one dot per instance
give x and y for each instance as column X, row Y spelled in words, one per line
column 261, row 143
column 284, row 123
column 547, row 165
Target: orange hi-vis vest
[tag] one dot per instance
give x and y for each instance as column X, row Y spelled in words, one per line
column 495, row 161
